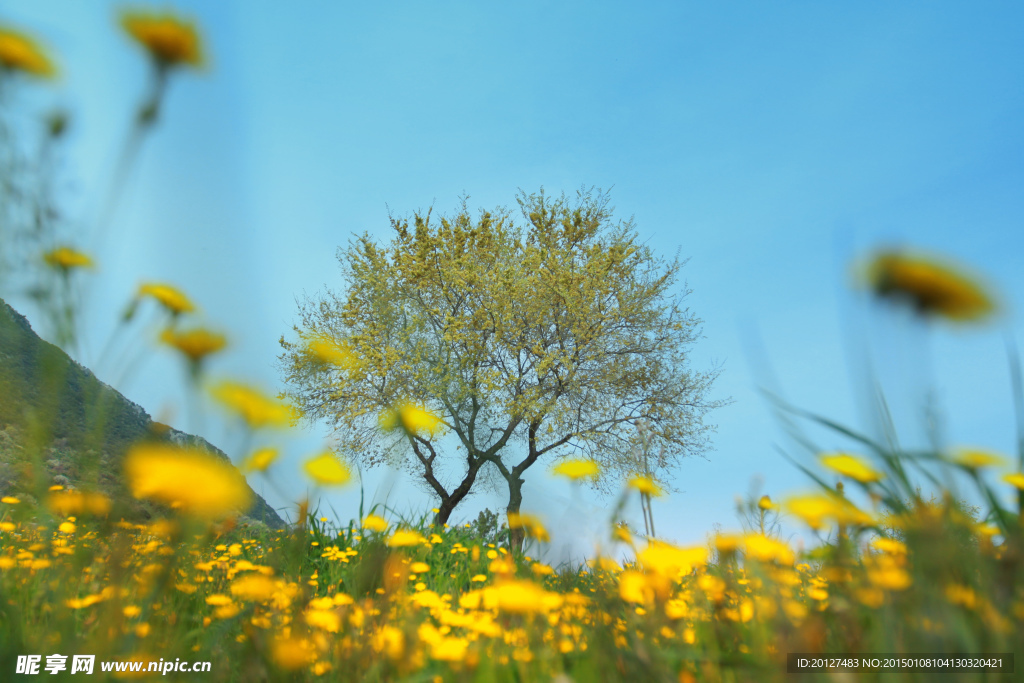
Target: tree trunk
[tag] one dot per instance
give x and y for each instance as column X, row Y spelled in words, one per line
column 515, row 501
column 449, row 503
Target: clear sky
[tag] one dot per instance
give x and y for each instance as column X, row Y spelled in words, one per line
column 769, row 143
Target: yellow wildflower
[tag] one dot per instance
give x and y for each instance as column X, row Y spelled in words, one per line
column 327, row 350
column 404, row 538
column 375, row 523
column 530, row 524
column 765, row 503
column 577, row 469
column 10, row 500
column 327, row 470
column 851, row 466
column 524, row 597
column 727, row 543
column 66, row 503
column 196, row 344
column 171, row 298
column 67, row 258
column 668, row 560
column 419, row 567
column 889, row 545
column 256, row 408
column 253, row 587
column 932, row 288
column 646, row 485
column 634, row 588
column 767, row 549
column 328, row 621
column 816, row 509
column 886, row 572
column 292, row 653
column 87, row 601
column 261, row 459
column 218, row 600
column 186, row 478
column 449, row 649
column 973, row 458
column 168, row 39
column 962, row 595
column 1015, row 479
column 20, row 53
column 390, row 641
column 413, row 419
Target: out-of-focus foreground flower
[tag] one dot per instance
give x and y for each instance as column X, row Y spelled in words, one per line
column 169, row 40
column 187, row 479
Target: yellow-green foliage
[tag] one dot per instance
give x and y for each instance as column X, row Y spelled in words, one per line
column 565, row 332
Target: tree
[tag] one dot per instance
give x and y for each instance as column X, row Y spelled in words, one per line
column 528, row 345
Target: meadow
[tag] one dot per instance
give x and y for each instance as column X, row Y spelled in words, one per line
column 387, row 597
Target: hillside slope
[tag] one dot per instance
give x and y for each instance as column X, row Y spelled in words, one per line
column 59, row 424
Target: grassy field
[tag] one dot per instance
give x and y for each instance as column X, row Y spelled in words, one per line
column 378, row 602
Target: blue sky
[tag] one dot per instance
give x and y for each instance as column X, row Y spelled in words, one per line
column 769, row 143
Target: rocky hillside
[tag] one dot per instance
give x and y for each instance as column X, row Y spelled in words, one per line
column 60, row 425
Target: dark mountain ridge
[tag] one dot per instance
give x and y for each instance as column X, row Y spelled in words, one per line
column 60, row 425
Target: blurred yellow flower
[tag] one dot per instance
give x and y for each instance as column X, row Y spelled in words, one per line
column 327, row 470
column 931, row 287
column 170, row 297
column 327, row 350
column 18, row 52
column 542, row 569
column 577, row 469
column 765, row 549
column 523, row 597
column 10, row 500
column 765, row 503
column 646, row 485
column 889, row 545
column 973, row 458
column 292, row 653
column 67, row 258
column 187, row 479
column 375, row 523
column 887, row 572
column 253, row 587
column 1015, row 479
column 817, row 508
column 727, row 543
column 196, row 344
column 404, row 538
column 261, row 459
column 256, row 408
column 634, row 588
column 168, row 39
column 390, row 641
column 669, row 560
column 328, row 621
column 412, row 419
column 851, row 466
column 449, row 649
column 67, row 503
column 419, row 567
column 531, row 524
